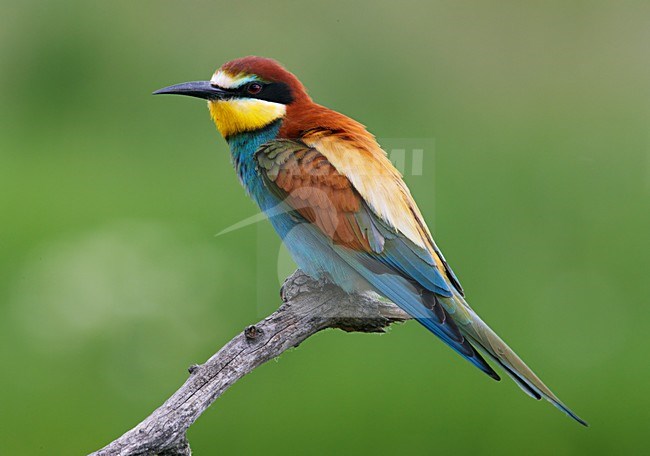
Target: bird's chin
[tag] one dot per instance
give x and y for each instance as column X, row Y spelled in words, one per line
column 237, row 115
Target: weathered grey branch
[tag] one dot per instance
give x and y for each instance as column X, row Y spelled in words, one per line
column 309, row 307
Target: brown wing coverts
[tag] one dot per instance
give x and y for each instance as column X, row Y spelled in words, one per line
column 315, row 189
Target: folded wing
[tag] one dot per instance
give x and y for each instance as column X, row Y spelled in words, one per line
column 405, row 271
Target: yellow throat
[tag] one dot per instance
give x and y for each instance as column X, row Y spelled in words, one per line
column 239, row 115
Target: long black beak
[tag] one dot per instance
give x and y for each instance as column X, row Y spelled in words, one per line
column 198, row 89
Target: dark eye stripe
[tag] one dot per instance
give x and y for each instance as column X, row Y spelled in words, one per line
column 277, row 92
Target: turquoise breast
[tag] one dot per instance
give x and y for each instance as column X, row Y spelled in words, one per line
column 242, row 150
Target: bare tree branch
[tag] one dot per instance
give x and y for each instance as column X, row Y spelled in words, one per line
column 309, row 306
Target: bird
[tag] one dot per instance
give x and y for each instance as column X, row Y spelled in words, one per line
column 342, row 209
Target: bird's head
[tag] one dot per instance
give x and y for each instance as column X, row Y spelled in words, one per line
column 245, row 94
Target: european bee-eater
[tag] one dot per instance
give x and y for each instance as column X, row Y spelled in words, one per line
column 341, row 207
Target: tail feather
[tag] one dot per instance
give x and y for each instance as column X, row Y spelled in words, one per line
column 532, row 392
column 454, row 322
column 418, row 302
column 491, row 345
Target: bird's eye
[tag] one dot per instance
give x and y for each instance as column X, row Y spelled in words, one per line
column 254, row 88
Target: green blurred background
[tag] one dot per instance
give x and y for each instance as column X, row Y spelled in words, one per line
column 112, row 281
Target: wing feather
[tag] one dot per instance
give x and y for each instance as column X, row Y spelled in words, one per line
column 405, row 272
column 366, row 166
column 348, row 189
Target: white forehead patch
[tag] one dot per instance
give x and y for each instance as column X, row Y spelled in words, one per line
column 228, row 81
